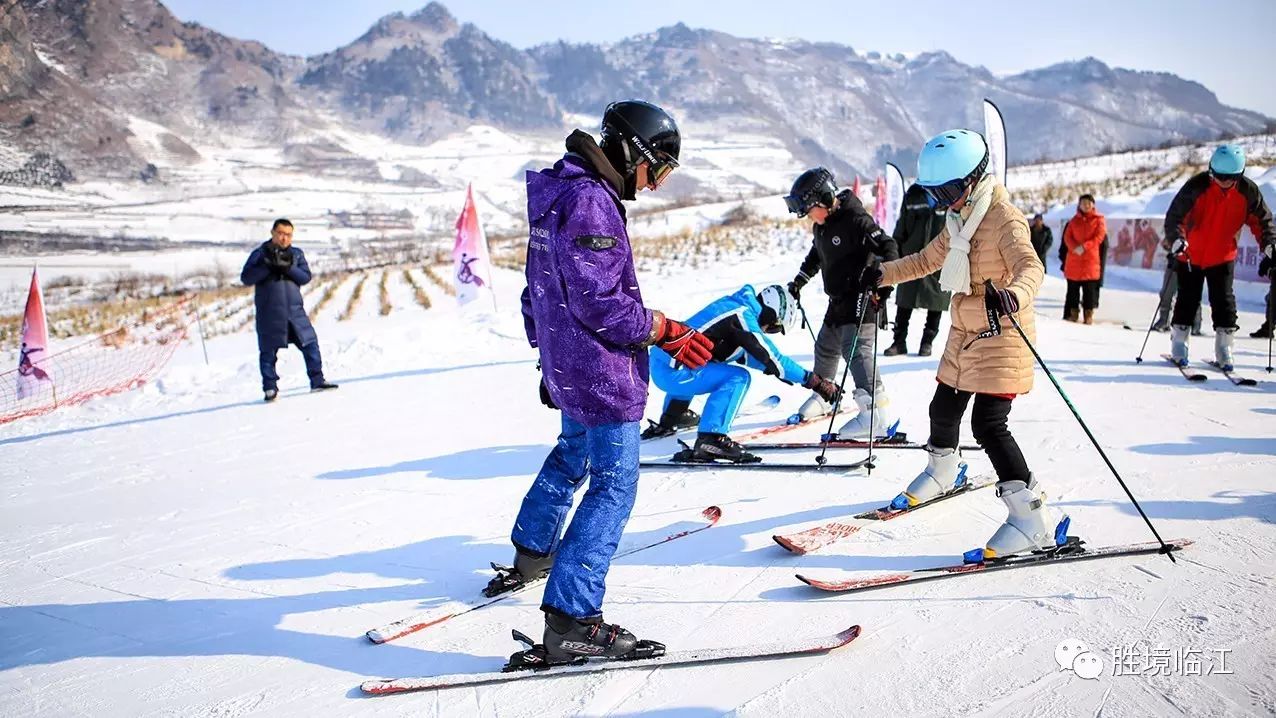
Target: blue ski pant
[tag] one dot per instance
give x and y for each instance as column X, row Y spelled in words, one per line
column 726, row 385
column 607, row 456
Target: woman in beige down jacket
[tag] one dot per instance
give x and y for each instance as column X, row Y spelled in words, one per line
column 985, row 238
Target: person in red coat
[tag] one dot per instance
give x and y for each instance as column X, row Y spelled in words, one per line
column 1202, row 227
column 1083, row 237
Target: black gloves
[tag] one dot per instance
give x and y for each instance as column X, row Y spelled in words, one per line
column 545, row 397
column 1001, row 301
column 872, row 275
column 278, row 258
column 795, row 286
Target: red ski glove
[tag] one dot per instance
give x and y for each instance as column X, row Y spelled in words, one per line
column 686, row 345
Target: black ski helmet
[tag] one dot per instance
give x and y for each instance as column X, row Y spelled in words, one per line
column 634, row 131
column 812, row 187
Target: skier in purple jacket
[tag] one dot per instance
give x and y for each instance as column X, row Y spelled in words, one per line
column 584, row 314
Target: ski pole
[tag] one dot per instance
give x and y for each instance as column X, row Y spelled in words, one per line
column 872, row 408
column 828, row 435
column 1165, row 548
column 805, row 323
column 1165, row 287
column 1271, row 316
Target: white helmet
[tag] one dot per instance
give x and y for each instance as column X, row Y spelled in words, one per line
column 779, row 314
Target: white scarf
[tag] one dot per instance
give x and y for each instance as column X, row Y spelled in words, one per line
column 955, row 276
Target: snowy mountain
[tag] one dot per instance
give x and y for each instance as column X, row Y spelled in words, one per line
column 81, row 75
column 103, row 63
column 423, row 75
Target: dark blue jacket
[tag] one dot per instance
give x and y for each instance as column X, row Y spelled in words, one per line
column 278, row 300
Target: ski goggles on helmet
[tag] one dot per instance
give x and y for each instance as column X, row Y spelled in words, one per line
column 660, row 169
column 945, row 195
column 803, row 204
column 660, row 164
column 1226, row 178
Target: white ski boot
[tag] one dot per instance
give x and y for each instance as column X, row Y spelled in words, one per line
column 1178, row 344
column 945, row 471
column 1223, row 347
column 1027, row 528
column 813, row 408
column 858, row 427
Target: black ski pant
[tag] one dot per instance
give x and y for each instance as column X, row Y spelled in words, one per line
column 1169, row 288
column 1081, row 294
column 987, row 421
column 904, row 314
column 1192, row 280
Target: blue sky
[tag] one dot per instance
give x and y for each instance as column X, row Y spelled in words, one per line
column 1225, row 46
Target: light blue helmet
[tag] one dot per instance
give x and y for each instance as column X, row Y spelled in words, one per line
column 949, row 163
column 1228, row 162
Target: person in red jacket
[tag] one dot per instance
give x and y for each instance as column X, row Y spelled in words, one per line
column 1083, row 236
column 1202, row 227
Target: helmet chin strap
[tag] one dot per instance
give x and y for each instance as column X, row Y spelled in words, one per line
column 631, row 172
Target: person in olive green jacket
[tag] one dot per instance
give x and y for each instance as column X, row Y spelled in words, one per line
column 918, row 224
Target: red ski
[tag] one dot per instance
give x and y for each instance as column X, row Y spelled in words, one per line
column 1074, row 550
column 818, row 537
column 412, row 624
column 779, row 649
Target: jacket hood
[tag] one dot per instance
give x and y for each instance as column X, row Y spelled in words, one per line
column 544, row 187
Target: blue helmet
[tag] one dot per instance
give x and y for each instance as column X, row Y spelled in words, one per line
column 1228, row 162
column 949, row 163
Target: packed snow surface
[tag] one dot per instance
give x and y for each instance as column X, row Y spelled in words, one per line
column 186, row 550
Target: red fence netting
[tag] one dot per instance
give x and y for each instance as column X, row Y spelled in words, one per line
column 116, row 361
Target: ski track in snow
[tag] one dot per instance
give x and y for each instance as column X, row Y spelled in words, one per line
column 185, row 550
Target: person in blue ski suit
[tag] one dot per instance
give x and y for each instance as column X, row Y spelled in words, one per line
column 738, row 324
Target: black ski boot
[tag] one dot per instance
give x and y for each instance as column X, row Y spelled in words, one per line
column 657, row 431
column 1263, row 332
column 896, row 349
column 570, row 641
column 527, row 567
column 567, row 639
column 676, row 416
column 713, row 448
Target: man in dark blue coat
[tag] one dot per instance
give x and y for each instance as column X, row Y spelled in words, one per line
column 277, row 270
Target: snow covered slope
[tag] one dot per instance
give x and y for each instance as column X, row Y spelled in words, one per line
column 185, row 550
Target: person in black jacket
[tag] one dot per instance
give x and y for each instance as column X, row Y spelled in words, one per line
column 277, row 270
column 1042, row 237
column 918, row 224
column 846, row 241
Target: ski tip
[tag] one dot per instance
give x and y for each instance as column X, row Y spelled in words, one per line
column 712, row 514
column 376, row 636
column 378, row 687
column 788, row 545
column 849, row 634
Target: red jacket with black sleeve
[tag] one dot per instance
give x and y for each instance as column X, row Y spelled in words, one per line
column 1210, row 219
